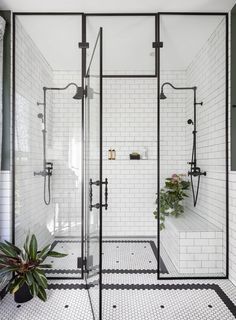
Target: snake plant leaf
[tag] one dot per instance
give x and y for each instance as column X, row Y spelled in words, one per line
column 17, row 250
column 33, row 247
column 17, row 284
column 40, row 278
column 55, row 254
column 44, row 252
column 7, row 270
column 42, row 294
column 5, row 248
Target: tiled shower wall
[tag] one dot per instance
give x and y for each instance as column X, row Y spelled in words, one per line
column 207, row 72
column 130, row 125
column 130, row 118
column 65, row 153
column 32, row 73
column 232, row 212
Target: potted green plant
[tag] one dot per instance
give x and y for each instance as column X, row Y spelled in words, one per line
column 171, row 198
column 27, row 267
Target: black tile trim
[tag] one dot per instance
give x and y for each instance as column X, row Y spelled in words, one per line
column 62, row 271
column 67, row 286
column 129, row 271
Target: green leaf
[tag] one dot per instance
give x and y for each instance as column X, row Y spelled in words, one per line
column 5, row 271
column 33, row 247
column 5, row 248
column 42, row 294
column 34, row 288
column 44, row 252
column 26, row 244
column 55, row 254
column 40, row 278
column 17, row 284
column 17, row 250
column 29, row 278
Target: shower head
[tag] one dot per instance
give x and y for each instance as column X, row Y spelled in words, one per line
column 79, row 93
column 162, row 95
column 40, row 116
column 190, row 121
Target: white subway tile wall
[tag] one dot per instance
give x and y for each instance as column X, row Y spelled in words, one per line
column 232, row 198
column 65, row 153
column 32, row 73
column 207, row 72
column 130, row 125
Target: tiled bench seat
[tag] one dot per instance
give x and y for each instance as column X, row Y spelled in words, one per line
column 193, row 244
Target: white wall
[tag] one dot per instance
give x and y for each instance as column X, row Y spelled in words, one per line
column 65, row 153
column 130, row 124
column 32, row 73
column 232, row 209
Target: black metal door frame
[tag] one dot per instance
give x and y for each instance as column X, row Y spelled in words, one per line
column 83, row 71
column 223, row 14
column 156, row 75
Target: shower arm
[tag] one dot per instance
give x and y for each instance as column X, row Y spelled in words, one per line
column 177, row 88
column 59, row 89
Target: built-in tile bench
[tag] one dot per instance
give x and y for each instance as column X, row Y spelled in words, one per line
column 193, row 244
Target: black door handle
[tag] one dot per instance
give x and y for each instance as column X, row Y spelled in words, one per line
column 97, row 205
column 106, row 193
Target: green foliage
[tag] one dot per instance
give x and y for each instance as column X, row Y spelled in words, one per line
column 171, row 197
column 27, row 265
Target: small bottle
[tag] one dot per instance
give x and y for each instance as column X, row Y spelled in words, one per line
column 109, row 154
column 145, row 153
column 113, row 154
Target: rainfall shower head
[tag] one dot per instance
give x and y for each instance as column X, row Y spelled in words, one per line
column 162, row 95
column 40, row 116
column 79, row 93
column 190, row 121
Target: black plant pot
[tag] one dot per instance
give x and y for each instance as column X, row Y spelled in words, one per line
column 23, row 294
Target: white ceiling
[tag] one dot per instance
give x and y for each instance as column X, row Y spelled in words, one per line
column 117, row 5
column 127, row 41
column 57, row 38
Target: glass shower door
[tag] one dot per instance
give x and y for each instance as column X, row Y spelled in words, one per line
column 93, row 175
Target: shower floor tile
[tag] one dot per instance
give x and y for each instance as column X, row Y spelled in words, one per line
column 67, row 266
column 165, row 304
column 135, row 256
column 70, row 304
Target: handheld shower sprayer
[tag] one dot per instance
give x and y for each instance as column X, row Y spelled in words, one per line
column 194, row 171
column 46, row 173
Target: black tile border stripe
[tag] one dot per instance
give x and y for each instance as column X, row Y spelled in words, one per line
column 129, row 271
column 163, row 269
column 219, row 291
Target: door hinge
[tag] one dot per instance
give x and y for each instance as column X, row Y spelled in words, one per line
column 157, row 44
column 83, row 45
column 87, row 262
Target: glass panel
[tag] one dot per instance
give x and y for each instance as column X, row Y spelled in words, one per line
column 192, row 145
column 127, row 43
column 51, row 133
column 93, row 176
